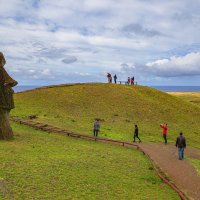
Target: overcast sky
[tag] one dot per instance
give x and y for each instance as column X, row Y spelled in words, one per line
column 52, row 42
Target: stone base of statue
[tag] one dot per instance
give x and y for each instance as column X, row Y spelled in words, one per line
column 5, row 128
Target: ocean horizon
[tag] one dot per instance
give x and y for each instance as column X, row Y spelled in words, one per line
column 177, row 88
column 161, row 88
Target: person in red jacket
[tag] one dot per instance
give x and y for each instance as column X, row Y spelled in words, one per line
column 164, row 127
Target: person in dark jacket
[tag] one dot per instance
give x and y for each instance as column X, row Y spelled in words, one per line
column 96, row 127
column 132, row 80
column 181, row 144
column 136, row 133
column 115, row 78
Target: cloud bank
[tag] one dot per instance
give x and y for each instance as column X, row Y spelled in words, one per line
column 60, row 38
column 188, row 65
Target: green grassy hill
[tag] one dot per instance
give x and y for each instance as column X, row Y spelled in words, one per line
column 38, row 165
column 74, row 107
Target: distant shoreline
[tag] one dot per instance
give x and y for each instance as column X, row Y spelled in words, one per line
column 183, row 92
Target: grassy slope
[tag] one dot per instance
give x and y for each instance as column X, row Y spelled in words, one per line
column 118, row 106
column 38, row 165
column 193, row 97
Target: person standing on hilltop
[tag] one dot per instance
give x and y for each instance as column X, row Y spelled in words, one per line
column 109, row 78
column 115, row 78
column 136, row 133
column 165, row 128
column 181, row 144
column 132, row 80
column 96, row 128
column 129, row 81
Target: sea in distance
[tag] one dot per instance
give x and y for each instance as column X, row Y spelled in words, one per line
column 161, row 88
column 177, row 88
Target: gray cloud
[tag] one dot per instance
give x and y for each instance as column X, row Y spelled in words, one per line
column 137, row 29
column 48, row 51
column 69, row 59
column 127, row 67
column 20, row 58
column 33, row 74
column 124, row 65
column 127, row 70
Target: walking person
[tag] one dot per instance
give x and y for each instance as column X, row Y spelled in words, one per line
column 136, row 133
column 132, row 80
column 181, row 144
column 115, row 78
column 165, row 129
column 96, row 128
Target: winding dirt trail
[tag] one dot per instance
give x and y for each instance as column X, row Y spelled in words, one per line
column 181, row 172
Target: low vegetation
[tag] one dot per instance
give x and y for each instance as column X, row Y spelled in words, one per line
column 119, row 107
column 38, row 165
column 192, row 97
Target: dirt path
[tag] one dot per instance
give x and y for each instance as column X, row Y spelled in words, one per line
column 180, row 172
column 183, row 174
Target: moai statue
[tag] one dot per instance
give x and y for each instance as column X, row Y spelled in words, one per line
column 6, row 100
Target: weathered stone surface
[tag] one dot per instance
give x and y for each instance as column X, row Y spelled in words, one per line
column 6, row 100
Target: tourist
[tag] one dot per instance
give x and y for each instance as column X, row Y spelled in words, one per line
column 129, row 81
column 164, row 127
column 115, row 78
column 109, row 78
column 136, row 133
column 132, row 80
column 96, row 128
column 181, row 144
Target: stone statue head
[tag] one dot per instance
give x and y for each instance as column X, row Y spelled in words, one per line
column 2, row 60
column 7, row 79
